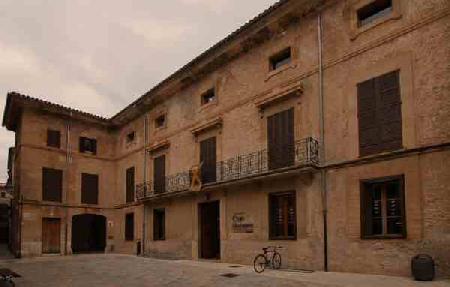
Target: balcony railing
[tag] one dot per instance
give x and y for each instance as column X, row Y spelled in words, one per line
column 304, row 153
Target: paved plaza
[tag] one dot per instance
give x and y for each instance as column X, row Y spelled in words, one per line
column 128, row 270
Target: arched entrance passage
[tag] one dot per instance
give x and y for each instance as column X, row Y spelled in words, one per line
column 88, row 233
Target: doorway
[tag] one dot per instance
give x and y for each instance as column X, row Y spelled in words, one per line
column 209, row 213
column 51, row 235
column 88, row 233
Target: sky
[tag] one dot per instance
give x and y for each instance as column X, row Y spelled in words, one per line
column 100, row 55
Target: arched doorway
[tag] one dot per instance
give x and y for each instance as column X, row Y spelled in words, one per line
column 88, row 233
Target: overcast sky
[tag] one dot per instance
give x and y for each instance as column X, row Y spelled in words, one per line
column 100, row 55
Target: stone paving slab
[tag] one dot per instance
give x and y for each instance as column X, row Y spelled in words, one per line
column 127, row 270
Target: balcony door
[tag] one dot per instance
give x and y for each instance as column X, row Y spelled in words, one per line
column 280, row 139
column 208, row 158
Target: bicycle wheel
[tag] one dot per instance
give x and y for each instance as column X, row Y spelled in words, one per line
column 259, row 264
column 276, row 261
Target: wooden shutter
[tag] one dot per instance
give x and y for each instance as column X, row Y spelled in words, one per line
column 130, row 184
column 389, row 111
column 159, row 174
column 379, row 114
column 281, row 139
column 208, row 158
column 52, row 181
column 159, row 219
column 129, row 226
column 89, row 188
column 53, row 138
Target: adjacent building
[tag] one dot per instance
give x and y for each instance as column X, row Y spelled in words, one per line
column 319, row 126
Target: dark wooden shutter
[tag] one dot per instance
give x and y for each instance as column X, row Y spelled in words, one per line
column 130, row 184
column 379, row 114
column 159, row 229
column 389, row 111
column 129, row 226
column 53, row 138
column 366, row 210
column 88, row 145
column 52, row 182
column 208, row 158
column 281, row 139
column 89, row 188
column 159, row 174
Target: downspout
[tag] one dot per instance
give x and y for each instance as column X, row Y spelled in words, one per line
column 323, row 174
column 66, row 194
column 144, row 226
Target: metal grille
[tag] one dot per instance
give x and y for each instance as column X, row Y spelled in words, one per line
column 238, row 167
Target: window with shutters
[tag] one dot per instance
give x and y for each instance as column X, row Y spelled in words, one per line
column 383, row 208
column 89, row 188
column 208, row 160
column 129, row 227
column 88, row 145
column 53, row 138
column 130, row 137
column 373, row 11
column 160, row 122
column 280, row 136
column 159, row 224
column 52, row 183
column 379, row 114
column 208, row 97
column 130, row 184
column 282, row 216
column 280, row 59
column 159, row 174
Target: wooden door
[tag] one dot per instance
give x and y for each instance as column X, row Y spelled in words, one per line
column 51, row 228
column 210, row 230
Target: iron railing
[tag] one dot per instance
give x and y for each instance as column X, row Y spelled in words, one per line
column 305, row 152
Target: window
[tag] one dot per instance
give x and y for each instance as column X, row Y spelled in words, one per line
column 372, row 11
column 129, row 227
column 88, row 145
column 131, row 136
column 280, row 59
column 208, row 160
column 89, row 188
column 160, row 121
column 52, row 182
column 208, row 97
column 383, row 208
column 159, row 174
column 379, row 114
column 280, row 137
column 159, row 224
column 53, row 138
column 130, row 184
column 282, row 216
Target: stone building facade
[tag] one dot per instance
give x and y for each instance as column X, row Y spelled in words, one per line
column 322, row 127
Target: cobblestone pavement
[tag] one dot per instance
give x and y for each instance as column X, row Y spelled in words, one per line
column 127, row 270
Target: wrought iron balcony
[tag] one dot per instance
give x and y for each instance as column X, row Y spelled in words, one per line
column 304, row 153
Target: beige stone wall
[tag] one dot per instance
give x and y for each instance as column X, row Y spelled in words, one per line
column 415, row 40
column 427, row 214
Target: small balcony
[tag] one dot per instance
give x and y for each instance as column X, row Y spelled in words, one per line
column 302, row 155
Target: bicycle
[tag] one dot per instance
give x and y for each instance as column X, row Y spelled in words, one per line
column 6, row 277
column 270, row 257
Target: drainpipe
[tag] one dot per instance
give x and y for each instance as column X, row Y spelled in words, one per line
column 145, row 186
column 66, row 193
column 323, row 174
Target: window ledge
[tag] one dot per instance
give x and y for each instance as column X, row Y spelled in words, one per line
column 207, row 106
column 280, row 70
column 383, row 237
column 356, row 31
